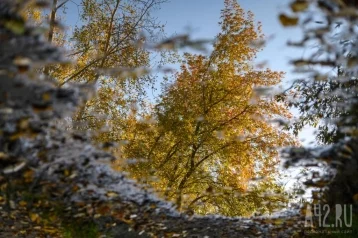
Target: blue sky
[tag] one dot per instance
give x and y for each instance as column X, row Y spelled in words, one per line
column 202, row 17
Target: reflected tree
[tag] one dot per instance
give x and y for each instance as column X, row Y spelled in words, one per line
column 210, row 138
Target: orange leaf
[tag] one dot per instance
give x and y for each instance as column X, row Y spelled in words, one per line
column 288, row 21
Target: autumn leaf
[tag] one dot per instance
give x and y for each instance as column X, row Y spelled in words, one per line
column 17, row 26
column 355, row 197
column 299, row 5
column 288, row 21
column 34, row 217
column 352, row 62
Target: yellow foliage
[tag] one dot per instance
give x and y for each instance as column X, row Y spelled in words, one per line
column 287, row 20
column 208, row 135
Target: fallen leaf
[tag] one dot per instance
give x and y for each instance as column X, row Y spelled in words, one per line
column 16, row 26
column 355, row 197
column 352, row 62
column 288, row 21
column 299, row 5
column 14, row 168
column 34, row 217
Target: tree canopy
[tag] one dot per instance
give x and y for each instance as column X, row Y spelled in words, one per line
column 210, row 138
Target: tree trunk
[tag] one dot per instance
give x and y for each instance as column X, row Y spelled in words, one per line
column 52, row 29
